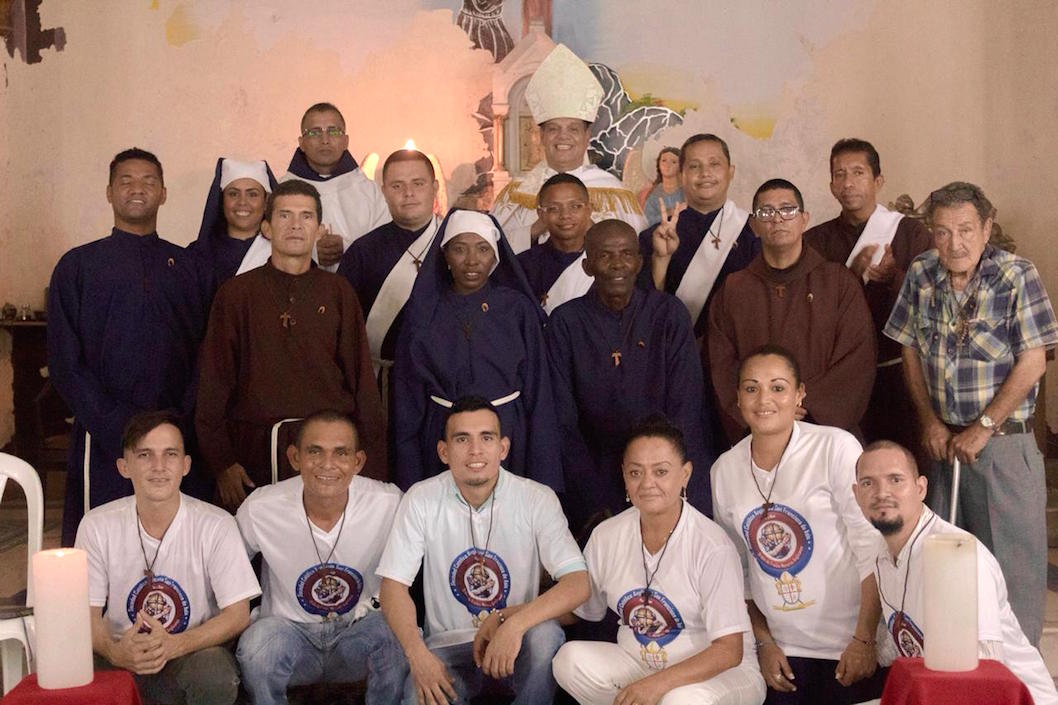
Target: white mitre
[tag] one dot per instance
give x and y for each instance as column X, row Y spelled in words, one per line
column 563, row 87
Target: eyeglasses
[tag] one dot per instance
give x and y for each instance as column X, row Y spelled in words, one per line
column 317, row 132
column 574, row 208
column 768, row 214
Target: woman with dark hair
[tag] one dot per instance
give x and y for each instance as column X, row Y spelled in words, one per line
column 665, row 188
column 472, row 326
column 784, row 495
column 673, row 578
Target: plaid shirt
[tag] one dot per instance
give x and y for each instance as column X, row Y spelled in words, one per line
column 1012, row 315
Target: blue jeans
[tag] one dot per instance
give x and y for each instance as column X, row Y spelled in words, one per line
column 275, row 653
column 532, row 682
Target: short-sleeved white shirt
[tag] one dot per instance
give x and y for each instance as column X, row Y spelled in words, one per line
column 805, row 561
column 463, row 584
column 995, row 619
column 201, row 566
column 695, row 597
column 296, row 585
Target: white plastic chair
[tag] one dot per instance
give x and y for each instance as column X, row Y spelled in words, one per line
column 20, row 629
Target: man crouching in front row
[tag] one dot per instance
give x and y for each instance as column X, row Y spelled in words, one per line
column 171, row 572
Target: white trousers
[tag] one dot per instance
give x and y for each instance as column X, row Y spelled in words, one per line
column 594, row 672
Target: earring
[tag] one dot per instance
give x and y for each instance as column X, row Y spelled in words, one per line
column 628, row 500
column 683, row 492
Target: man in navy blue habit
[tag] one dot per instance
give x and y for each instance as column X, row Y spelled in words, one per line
column 617, row 354
column 124, row 321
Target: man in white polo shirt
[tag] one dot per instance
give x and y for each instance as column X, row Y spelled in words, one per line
column 321, row 534
column 890, row 491
column 481, row 535
column 170, row 571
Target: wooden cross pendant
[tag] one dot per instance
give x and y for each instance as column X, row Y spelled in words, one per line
column 418, row 264
column 616, row 355
column 149, row 574
column 543, row 299
column 767, row 507
column 716, row 241
column 286, row 319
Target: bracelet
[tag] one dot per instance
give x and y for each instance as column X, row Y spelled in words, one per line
column 865, row 642
column 499, row 613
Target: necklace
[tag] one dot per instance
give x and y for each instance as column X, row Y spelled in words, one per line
column 966, row 312
column 331, row 616
column 417, row 258
column 626, row 328
column 715, row 237
column 647, row 575
column 286, row 318
column 898, row 621
column 766, row 507
column 488, row 537
column 148, row 566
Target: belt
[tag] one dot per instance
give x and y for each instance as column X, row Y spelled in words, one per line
column 440, row 401
column 1007, row 428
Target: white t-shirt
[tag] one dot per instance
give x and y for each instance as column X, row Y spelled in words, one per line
column 806, row 560
column 201, row 566
column 995, row 620
column 463, row 584
column 695, row 596
column 296, row 586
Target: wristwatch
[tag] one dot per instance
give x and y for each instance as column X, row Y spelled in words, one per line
column 986, row 421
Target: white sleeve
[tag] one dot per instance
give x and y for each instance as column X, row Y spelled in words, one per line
column 406, row 545
column 517, row 223
column 246, row 528
column 555, row 544
column 595, row 608
column 841, row 476
column 94, row 545
column 720, row 516
column 720, row 593
column 228, row 570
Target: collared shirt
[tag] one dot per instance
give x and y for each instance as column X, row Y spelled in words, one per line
column 477, row 561
column 1008, row 312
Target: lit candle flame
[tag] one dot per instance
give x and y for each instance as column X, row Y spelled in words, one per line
column 410, row 144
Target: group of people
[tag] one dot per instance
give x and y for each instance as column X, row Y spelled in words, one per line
column 325, row 335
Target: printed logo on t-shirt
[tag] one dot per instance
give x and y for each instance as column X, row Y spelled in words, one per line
column 654, row 621
column 780, row 539
column 906, row 634
column 480, row 582
column 329, row 590
column 163, row 599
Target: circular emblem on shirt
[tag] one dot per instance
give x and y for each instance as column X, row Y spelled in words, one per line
column 163, row 599
column 329, row 589
column 906, row 635
column 651, row 619
column 780, row 539
column 480, row 581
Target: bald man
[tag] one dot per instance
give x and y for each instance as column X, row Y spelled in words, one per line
column 618, row 354
column 890, row 491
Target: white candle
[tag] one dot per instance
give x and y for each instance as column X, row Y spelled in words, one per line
column 950, row 627
column 63, row 623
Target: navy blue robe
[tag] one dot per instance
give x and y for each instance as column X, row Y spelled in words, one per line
column 543, row 265
column 368, row 262
column 489, row 343
column 124, row 322
column 218, row 253
column 691, row 229
column 598, row 401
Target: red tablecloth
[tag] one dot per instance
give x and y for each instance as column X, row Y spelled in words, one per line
column 991, row 683
column 108, row 688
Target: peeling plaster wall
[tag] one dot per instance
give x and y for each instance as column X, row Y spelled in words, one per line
column 946, row 90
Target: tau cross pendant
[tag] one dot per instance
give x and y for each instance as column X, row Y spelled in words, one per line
column 418, row 264
column 780, row 291
column 616, row 355
column 543, row 299
column 286, row 319
column 149, row 574
column 766, row 507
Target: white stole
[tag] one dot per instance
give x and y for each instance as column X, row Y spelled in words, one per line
column 573, row 282
column 880, row 230
column 259, row 252
column 395, row 292
column 709, row 259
